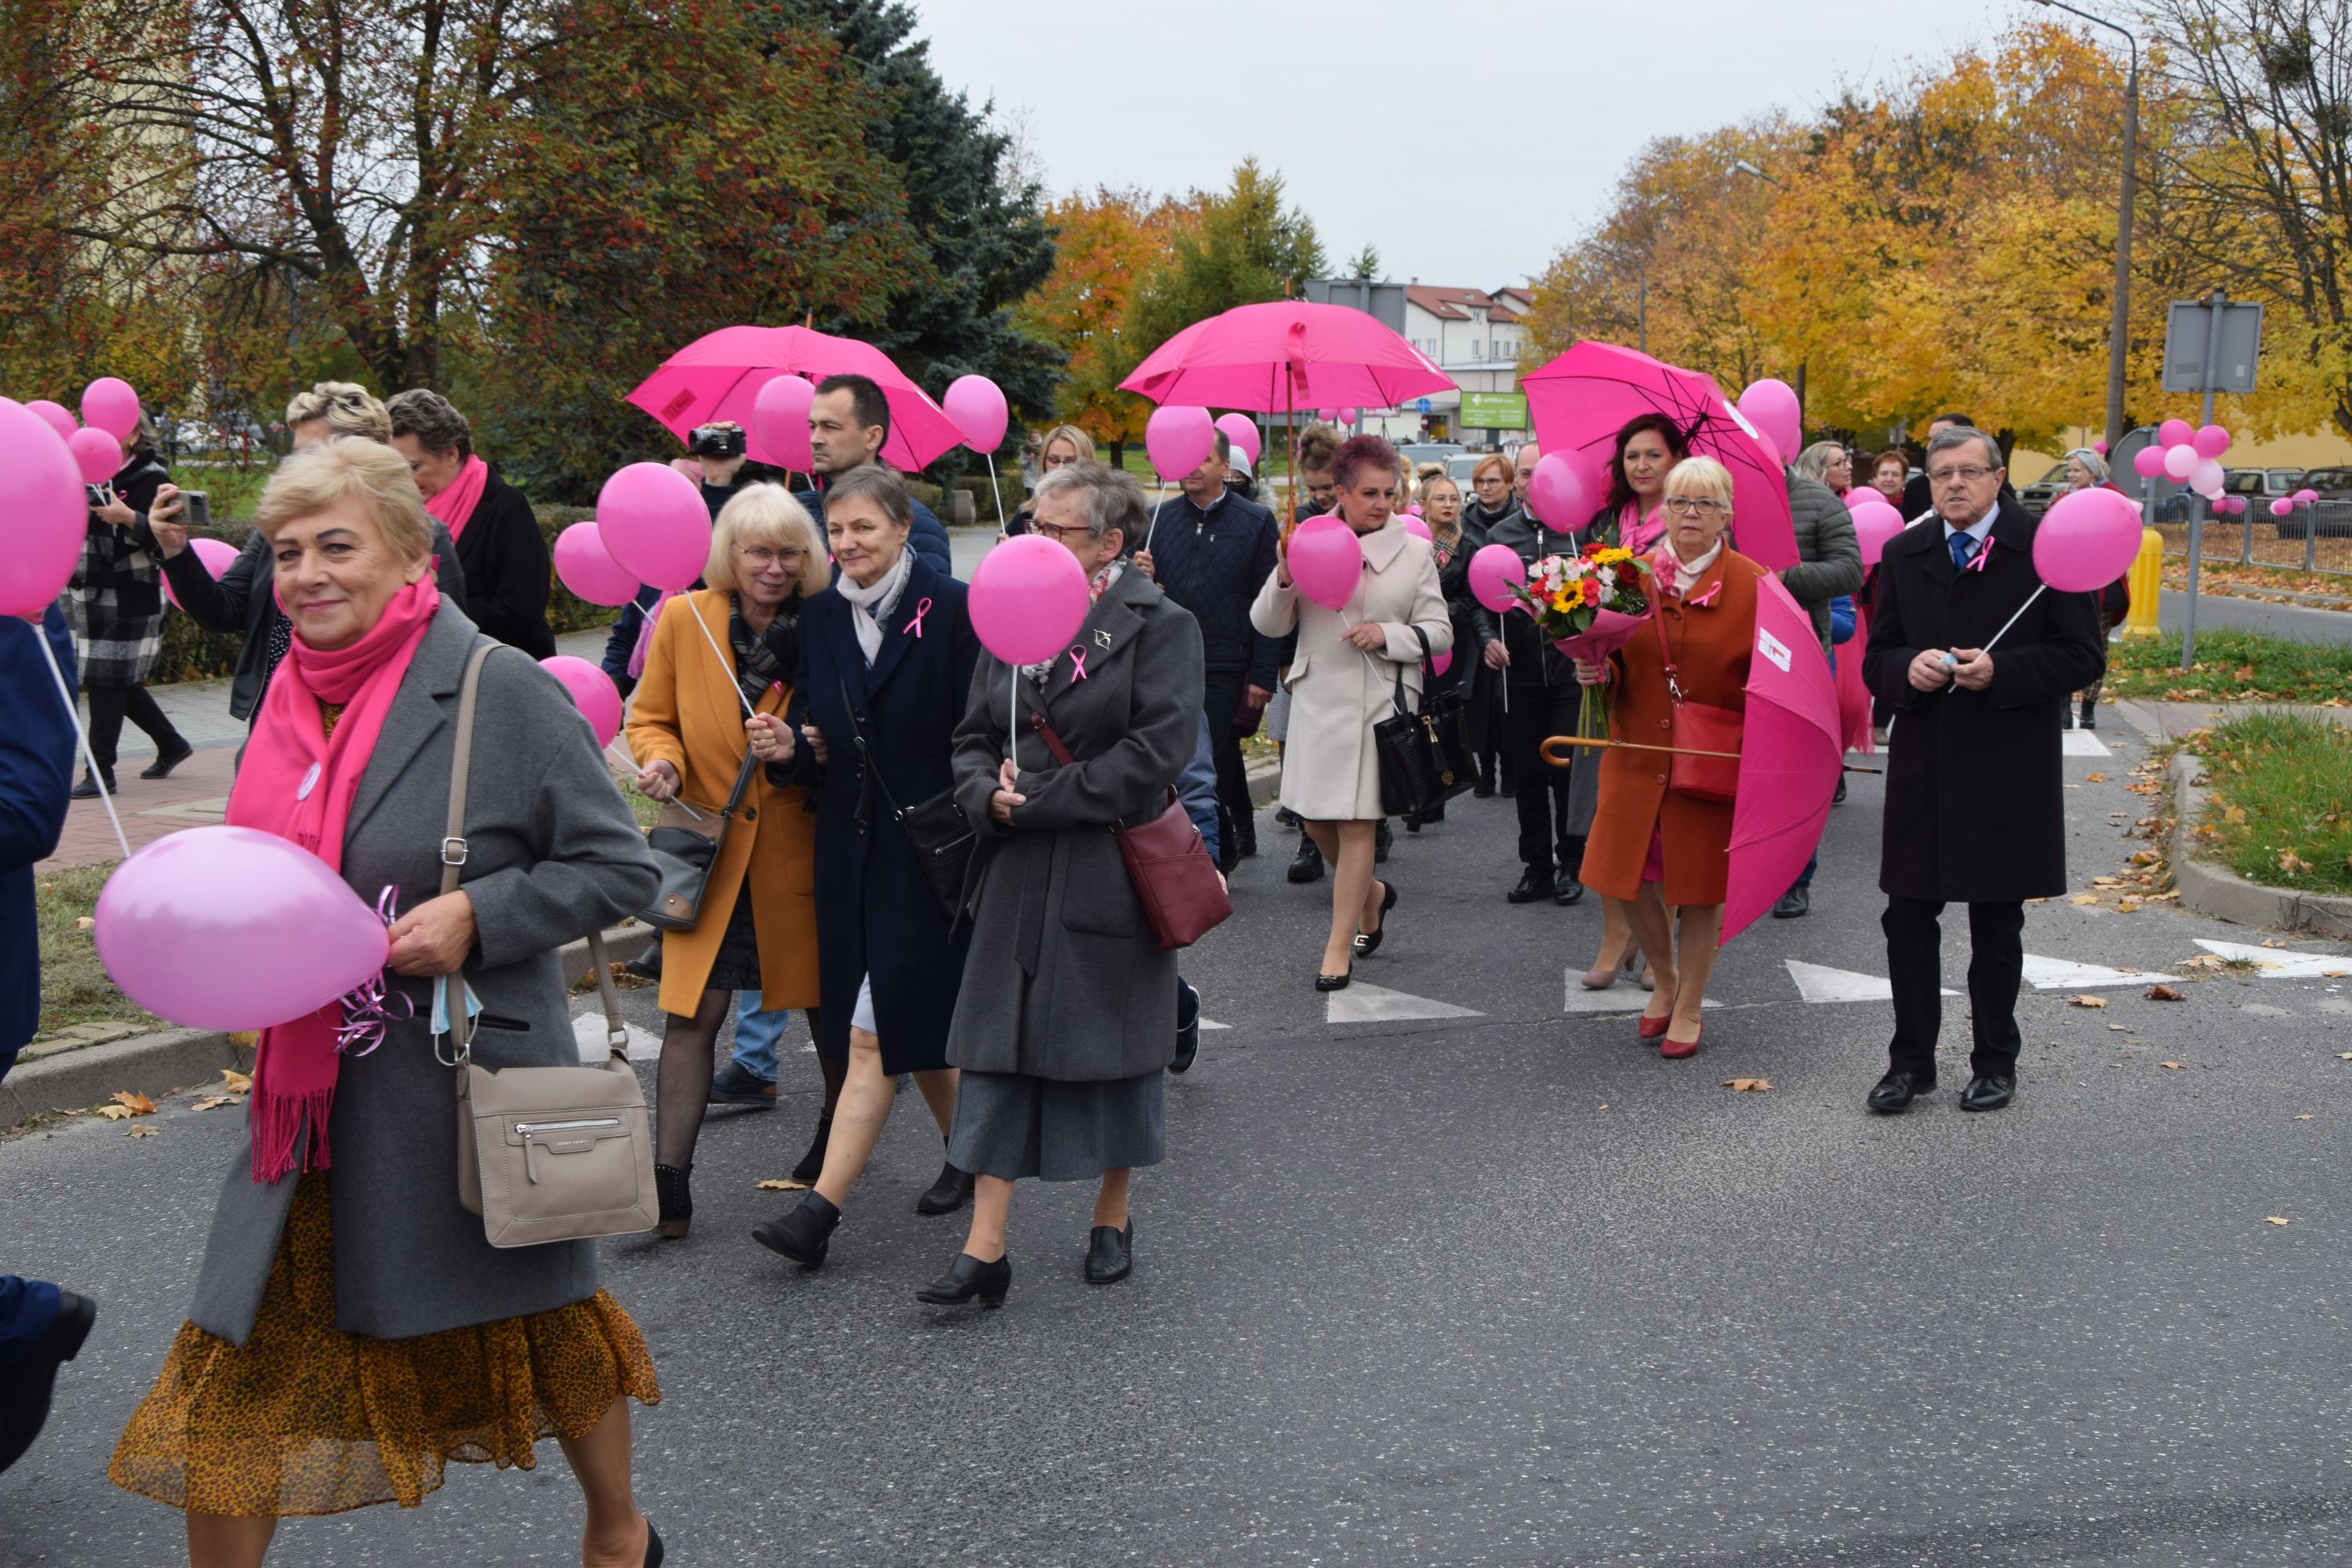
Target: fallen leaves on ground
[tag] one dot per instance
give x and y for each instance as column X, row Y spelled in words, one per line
column 2275, row 1219
column 779, row 1184
column 2144, row 857
column 2164, row 994
column 2174, row 1067
column 236, row 1082
column 215, row 1101
column 84, row 923
column 2085, row 898
column 2106, row 882
column 2202, row 961
column 143, row 1132
column 1748, row 1085
column 128, row 1102
column 2128, row 904
column 2305, row 1117
column 2086, row 1001
column 2291, row 861
column 2236, row 814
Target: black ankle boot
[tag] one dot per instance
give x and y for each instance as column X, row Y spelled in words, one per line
column 804, row 1235
column 811, row 1164
column 967, row 1276
column 671, row 1186
column 949, row 1194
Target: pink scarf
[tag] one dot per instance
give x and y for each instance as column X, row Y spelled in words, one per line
column 455, row 506
column 299, row 782
column 1638, row 533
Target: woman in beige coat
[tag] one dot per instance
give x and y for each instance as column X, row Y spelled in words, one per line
column 1343, row 681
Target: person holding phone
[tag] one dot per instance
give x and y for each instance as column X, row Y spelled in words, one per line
column 116, row 604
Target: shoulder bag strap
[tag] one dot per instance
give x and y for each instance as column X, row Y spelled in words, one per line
column 1674, row 686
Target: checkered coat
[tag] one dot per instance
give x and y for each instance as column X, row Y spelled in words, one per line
column 115, row 600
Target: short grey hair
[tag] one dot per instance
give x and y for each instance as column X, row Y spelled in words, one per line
column 428, row 416
column 1111, row 497
column 2092, row 464
column 877, row 484
column 1952, row 439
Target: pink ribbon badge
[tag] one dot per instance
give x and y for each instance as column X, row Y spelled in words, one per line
column 368, row 1008
column 914, row 626
column 1078, row 662
column 1709, row 597
column 1983, row 555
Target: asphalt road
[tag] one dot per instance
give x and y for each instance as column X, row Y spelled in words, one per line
column 1499, row 1285
column 2227, row 612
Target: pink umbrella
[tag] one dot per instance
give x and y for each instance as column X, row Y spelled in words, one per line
column 1791, row 752
column 718, row 375
column 1579, row 401
column 1286, row 355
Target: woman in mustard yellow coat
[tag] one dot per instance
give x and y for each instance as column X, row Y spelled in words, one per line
column 688, row 732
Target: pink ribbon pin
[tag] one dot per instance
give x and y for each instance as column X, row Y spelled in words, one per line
column 1983, row 555
column 1077, row 663
column 368, row 1009
column 914, row 626
column 1709, row 597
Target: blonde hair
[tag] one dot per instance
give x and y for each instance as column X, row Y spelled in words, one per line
column 1079, row 439
column 765, row 514
column 316, row 477
column 1494, row 460
column 349, row 409
column 1698, row 476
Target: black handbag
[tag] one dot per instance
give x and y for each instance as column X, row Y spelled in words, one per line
column 685, row 845
column 936, row 830
column 1418, row 775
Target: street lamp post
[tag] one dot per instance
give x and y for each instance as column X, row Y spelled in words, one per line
column 1743, row 167
column 2119, row 325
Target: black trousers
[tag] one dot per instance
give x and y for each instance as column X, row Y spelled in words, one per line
column 1221, row 699
column 109, row 705
column 1916, row 968
column 1537, row 713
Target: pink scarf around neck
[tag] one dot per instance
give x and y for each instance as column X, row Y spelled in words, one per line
column 455, row 505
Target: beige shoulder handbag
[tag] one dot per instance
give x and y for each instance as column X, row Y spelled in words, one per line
column 544, row 1154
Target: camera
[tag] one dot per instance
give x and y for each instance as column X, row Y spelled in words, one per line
column 722, row 441
column 195, row 508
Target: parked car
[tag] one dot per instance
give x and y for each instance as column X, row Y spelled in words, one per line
column 2037, row 496
column 1458, row 469
column 1421, row 452
column 2332, row 517
column 2261, row 484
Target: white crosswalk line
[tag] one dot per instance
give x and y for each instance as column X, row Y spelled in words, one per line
column 2083, row 743
column 1212, row 1023
column 1623, row 997
column 2057, row 973
column 1362, row 1004
column 588, row 1034
column 1819, row 983
column 2277, row 963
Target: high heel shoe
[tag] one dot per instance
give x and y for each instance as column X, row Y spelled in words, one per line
column 654, row 1552
column 1603, row 979
column 805, row 1236
column 1335, row 981
column 672, row 1186
column 1675, row 1050
column 1368, row 942
column 967, row 1276
column 1652, row 1028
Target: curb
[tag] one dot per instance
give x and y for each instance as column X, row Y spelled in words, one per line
column 1265, row 782
column 174, row 1059
column 2217, row 890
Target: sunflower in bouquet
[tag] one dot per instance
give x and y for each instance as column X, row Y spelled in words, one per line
column 1587, row 604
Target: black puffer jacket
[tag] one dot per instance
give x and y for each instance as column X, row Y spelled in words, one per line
column 1534, row 662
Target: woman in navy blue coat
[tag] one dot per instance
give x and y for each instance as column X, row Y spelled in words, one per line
column 885, row 662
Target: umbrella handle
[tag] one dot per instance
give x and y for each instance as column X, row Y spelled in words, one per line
column 1562, row 760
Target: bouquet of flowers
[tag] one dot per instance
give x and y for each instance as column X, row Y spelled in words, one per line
column 1587, row 606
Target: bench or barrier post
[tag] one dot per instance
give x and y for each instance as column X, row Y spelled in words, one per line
column 2145, row 580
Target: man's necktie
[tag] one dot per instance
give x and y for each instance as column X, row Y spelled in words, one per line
column 1963, row 548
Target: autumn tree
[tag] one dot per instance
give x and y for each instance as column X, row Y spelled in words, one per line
column 1246, row 247
column 1106, row 246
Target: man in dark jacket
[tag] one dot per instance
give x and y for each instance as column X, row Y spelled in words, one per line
column 1542, row 700
column 849, row 420
column 1975, row 808
column 1917, row 493
column 1211, row 550
column 1829, row 563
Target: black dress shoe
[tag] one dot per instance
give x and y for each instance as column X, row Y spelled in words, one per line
column 2090, row 717
column 1110, row 1254
column 26, row 1381
column 1383, row 838
column 1794, row 905
column 1838, row 798
column 1989, row 1091
column 1368, row 942
column 949, row 1194
column 1286, row 817
column 811, row 1164
column 1307, row 866
column 1535, row 886
column 160, row 768
column 1898, row 1090
column 1567, row 890
column 673, row 1186
column 805, row 1236
column 1335, row 981
column 653, row 1546
column 967, row 1276
column 88, row 788
column 731, row 1085
column 1188, row 1027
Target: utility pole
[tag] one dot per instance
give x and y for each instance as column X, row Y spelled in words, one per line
column 2119, row 323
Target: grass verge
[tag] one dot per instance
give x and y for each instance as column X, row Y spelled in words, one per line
column 75, row 986
column 2232, row 666
column 2278, row 806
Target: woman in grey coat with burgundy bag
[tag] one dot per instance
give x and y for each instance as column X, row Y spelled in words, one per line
column 1065, row 1019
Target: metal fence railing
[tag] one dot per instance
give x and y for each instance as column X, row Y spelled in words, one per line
column 2314, row 539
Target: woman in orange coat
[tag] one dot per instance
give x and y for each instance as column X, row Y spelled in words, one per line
column 1651, row 846
column 756, row 928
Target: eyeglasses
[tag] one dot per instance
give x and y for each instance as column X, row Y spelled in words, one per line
column 762, row 558
column 1063, row 535
column 1695, row 506
column 1968, row 475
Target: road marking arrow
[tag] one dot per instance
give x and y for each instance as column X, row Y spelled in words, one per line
column 2059, row 973
column 1819, row 983
column 1362, row 1004
column 2278, row 962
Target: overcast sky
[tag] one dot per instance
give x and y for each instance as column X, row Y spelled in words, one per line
column 1466, row 139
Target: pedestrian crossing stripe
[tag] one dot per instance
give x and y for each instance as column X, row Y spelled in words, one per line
column 2082, row 743
column 1819, row 983
column 1623, row 997
column 2058, row 974
column 1362, row 1004
column 2279, row 963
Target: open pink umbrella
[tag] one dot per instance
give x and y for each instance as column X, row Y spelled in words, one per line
column 1581, row 400
column 1791, row 752
column 1286, row 354
column 718, row 375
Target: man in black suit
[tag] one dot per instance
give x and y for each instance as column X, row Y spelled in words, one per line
column 1974, row 812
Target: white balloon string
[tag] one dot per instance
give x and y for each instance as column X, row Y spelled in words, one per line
column 73, row 716
column 996, row 493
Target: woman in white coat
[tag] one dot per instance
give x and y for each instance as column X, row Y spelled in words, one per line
column 1343, row 681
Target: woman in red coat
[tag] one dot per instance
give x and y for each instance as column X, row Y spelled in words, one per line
column 1651, row 846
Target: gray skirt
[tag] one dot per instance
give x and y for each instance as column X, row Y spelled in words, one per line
column 1011, row 1125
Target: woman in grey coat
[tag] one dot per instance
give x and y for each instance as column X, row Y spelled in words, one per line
column 354, row 1330
column 1064, row 1022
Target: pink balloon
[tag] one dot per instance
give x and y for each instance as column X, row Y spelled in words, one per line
column 1875, row 524
column 654, row 524
column 2149, row 462
column 1179, row 439
column 108, row 404
column 2206, row 477
column 1493, row 572
column 2281, row 507
column 180, row 923
column 2179, row 462
column 216, row 555
column 1771, row 407
column 97, row 454
column 2100, row 448
column 977, row 405
column 591, row 691
column 2305, row 497
column 2086, row 540
column 1326, row 560
column 2175, row 432
column 584, row 565
column 1028, row 598
column 1556, row 493
column 1439, row 664
column 1328, row 416
column 43, row 514
column 1348, row 416
column 1415, row 526
column 56, row 416
column 2211, row 442
column 780, row 432
column 1242, row 431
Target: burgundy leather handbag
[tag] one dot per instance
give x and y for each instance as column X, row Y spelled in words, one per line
column 1174, row 879
column 1699, row 727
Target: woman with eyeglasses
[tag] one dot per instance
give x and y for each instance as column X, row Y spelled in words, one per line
column 689, row 732
column 1828, row 462
column 1654, row 845
column 1063, row 444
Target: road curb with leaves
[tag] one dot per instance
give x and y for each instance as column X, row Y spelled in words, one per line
column 2217, row 890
